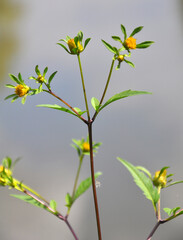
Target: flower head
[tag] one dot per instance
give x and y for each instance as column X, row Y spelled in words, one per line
column 4, row 173
column 75, row 45
column 21, row 90
column 72, row 45
column 86, row 147
column 160, row 180
column 40, row 78
column 130, row 43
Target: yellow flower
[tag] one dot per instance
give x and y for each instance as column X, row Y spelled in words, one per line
column 40, row 78
column 120, row 58
column 130, row 43
column 72, row 45
column 160, row 181
column 21, row 90
column 7, row 172
column 86, row 147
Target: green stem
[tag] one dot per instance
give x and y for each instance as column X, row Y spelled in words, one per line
column 93, row 182
column 20, row 186
column 159, row 210
column 105, row 89
column 77, row 175
column 83, row 84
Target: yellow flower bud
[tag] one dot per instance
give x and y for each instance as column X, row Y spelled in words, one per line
column 160, row 181
column 86, row 147
column 7, row 172
column 130, row 43
column 120, row 58
column 40, row 78
column 72, row 45
column 21, row 90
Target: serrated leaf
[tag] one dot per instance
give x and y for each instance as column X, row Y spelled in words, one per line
column 84, row 185
column 136, row 30
column 123, row 29
column 95, row 103
column 121, row 95
column 143, row 182
column 145, row 44
column 53, row 205
column 30, row 200
column 108, row 46
column 15, row 79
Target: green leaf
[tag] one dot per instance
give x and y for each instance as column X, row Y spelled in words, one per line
column 37, row 70
column 10, row 86
column 84, row 185
column 95, row 103
column 68, row 200
column 108, row 46
column 51, row 77
column 45, row 71
column 144, row 44
column 136, row 30
column 20, row 78
column 123, row 29
column 15, row 98
column 143, row 182
column 79, row 111
column 174, row 183
column 7, row 162
column 129, row 63
column 170, row 211
column 30, row 200
column 121, row 95
column 143, row 169
column 86, row 42
column 53, row 205
column 116, row 38
column 15, row 79
column 64, row 47
column 23, row 99
column 80, row 36
column 57, row 107
column 11, row 96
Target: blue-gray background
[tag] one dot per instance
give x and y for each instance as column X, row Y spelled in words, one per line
column 145, row 130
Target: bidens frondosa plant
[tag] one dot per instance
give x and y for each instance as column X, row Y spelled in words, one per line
column 151, row 186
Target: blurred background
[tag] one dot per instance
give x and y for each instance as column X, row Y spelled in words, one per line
column 145, row 130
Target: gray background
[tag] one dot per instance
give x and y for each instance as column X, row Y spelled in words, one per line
column 145, row 130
